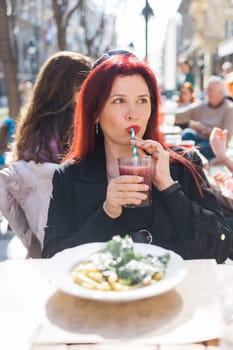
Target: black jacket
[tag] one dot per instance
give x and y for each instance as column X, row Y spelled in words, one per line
column 179, row 218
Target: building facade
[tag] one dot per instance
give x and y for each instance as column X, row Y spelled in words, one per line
column 205, row 36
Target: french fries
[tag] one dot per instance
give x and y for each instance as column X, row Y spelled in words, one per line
column 107, row 270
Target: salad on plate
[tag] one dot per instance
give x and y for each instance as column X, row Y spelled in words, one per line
column 118, row 267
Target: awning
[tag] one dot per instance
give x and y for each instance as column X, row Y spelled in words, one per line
column 225, row 47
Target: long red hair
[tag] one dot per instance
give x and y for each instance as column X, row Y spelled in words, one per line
column 93, row 96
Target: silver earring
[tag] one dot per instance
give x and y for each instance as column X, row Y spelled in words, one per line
column 97, row 128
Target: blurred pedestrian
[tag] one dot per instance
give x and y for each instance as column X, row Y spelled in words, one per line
column 218, row 142
column 186, row 94
column 185, row 73
column 229, row 86
column 227, row 76
column 202, row 117
column 42, row 137
column 7, row 129
column 227, row 68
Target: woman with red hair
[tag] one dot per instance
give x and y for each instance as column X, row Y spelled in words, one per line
column 89, row 197
column 186, row 94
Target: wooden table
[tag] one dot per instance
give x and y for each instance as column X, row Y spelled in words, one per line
column 189, row 315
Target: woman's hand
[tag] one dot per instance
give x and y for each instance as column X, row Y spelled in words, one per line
column 218, row 142
column 161, row 170
column 122, row 190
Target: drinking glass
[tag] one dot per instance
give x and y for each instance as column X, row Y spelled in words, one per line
column 140, row 166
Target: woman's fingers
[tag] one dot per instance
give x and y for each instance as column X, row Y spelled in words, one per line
column 149, row 146
column 127, row 179
column 125, row 186
column 126, row 189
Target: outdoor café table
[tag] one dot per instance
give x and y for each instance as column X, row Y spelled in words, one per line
column 33, row 311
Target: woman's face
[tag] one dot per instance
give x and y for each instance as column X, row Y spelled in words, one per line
column 185, row 95
column 128, row 106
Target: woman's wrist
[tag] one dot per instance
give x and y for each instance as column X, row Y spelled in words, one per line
column 111, row 214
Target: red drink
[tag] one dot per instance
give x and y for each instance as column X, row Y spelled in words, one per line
column 140, row 166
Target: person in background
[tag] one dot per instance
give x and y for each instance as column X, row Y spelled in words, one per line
column 185, row 73
column 186, row 94
column 7, row 129
column 227, row 68
column 89, row 197
column 218, row 142
column 229, row 86
column 227, row 76
column 202, row 117
column 41, row 140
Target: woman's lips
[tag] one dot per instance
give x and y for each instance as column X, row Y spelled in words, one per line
column 135, row 127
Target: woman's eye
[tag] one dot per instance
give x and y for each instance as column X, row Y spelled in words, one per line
column 118, row 100
column 143, row 100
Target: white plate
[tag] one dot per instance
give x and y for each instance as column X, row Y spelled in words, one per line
column 61, row 265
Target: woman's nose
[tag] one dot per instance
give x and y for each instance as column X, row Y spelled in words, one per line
column 131, row 115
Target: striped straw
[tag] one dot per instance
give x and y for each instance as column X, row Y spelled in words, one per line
column 134, row 147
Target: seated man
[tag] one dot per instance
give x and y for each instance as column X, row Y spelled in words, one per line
column 202, row 117
column 7, row 128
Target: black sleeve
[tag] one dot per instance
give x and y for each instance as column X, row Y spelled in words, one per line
column 198, row 219
column 60, row 231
